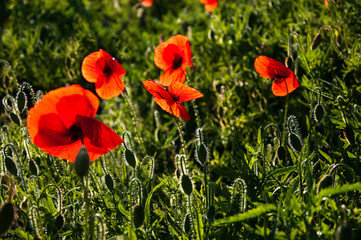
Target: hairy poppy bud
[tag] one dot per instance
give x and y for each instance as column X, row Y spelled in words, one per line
column 59, row 222
column 295, row 142
column 15, row 118
column 109, row 182
column 129, row 158
column 325, row 182
column 11, row 166
column 211, row 212
column 281, row 154
column 316, row 41
column 81, row 164
column 33, row 168
column 186, row 184
column 349, row 135
column 344, row 232
column 187, row 223
column 21, row 101
column 202, row 154
column 319, row 112
column 7, row 214
column 138, row 215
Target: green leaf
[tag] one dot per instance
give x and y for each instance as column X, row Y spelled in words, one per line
column 255, row 212
column 199, row 225
column 147, row 203
column 337, row 190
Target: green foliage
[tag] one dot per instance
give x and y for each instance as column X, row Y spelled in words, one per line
column 239, row 178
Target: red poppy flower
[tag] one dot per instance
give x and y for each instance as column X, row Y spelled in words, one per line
column 326, row 3
column 286, row 81
column 209, row 5
column 103, row 70
column 63, row 120
column 173, row 56
column 147, row 3
column 170, row 101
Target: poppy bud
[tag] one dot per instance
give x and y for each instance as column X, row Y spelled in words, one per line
column 319, row 112
column 15, row 118
column 187, row 223
column 7, row 215
column 211, row 212
column 59, row 222
column 344, row 232
column 21, row 101
column 109, row 182
column 33, row 168
column 201, row 154
column 81, row 164
column 349, row 135
column 295, row 142
column 138, row 215
column 186, row 184
column 281, row 154
column 325, row 182
column 316, row 41
column 11, row 166
column 289, row 61
column 129, row 158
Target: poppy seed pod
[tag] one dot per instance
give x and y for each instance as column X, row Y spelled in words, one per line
column 281, row 154
column 15, row 118
column 186, row 184
column 129, row 158
column 211, row 212
column 138, row 215
column 349, row 135
column 59, row 222
column 33, row 168
column 325, row 182
column 319, row 112
column 7, row 214
column 82, row 163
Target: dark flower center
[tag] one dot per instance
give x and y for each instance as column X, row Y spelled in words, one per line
column 177, row 62
column 75, row 133
column 107, row 71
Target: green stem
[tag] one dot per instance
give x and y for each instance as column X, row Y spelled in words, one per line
column 86, row 199
column 180, row 130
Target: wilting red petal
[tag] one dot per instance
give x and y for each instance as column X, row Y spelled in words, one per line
column 158, row 91
column 109, row 88
column 270, row 68
column 98, row 137
column 183, row 92
column 279, row 87
column 173, row 75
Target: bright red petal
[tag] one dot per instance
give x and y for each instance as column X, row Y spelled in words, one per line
column 279, row 87
column 111, row 87
column 98, row 137
column 159, row 61
column 158, row 91
column 183, row 45
column 147, row 3
column 173, row 75
column 183, row 92
column 270, row 68
column 181, row 111
column 211, row 7
column 90, row 67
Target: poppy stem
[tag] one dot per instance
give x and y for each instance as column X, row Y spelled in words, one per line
column 134, row 119
column 86, row 199
column 285, row 117
column 180, row 130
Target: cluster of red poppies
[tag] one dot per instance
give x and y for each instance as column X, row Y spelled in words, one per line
column 209, row 5
column 63, row 121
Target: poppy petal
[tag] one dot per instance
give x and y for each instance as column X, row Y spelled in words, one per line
column 158, row 91
column 183, row 92
column 98, row 138
column 211, row 7
column 183, row 45
column 181, row 111
column 109, row 88
column 159, row 61
column 270, row 68
column 279, row 87
column 173, row 75
column 90, row 67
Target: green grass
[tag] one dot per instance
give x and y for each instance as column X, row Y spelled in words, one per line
column 255, row 195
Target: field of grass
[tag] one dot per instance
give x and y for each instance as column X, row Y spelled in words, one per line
column 247, row 165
